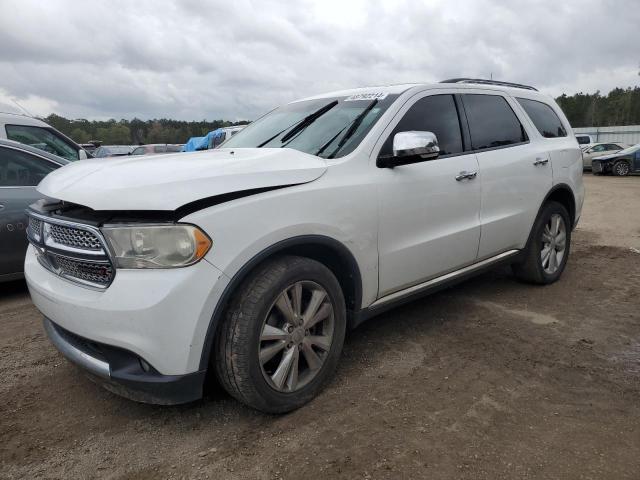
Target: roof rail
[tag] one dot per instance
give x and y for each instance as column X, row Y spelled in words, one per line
column 484, row 81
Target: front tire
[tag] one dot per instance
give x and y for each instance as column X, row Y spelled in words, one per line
column 282, row 335
column 548, row 249
column 621, row 169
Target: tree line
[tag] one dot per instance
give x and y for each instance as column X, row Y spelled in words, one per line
column 619, row 107
column 134, row 132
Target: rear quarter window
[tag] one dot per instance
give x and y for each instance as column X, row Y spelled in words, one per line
column 543, row 117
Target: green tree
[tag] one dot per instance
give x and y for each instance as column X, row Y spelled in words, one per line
column 79, row 135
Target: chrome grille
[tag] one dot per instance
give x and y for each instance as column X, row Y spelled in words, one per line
column 35, row 228
column 87, row 271
column 73, row 251
column 74, row 237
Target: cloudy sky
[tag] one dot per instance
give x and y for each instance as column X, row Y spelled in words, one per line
column 235, row 59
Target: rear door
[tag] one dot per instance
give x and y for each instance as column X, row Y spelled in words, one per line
column 515, row 171
column 428, row 220
column 20, row 172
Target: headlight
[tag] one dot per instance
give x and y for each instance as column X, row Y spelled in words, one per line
column 156, row 246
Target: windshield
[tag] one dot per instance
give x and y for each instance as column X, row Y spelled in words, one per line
column 632, row 149
column 318, row 127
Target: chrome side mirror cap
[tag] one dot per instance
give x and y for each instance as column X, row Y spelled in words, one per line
column 414, row 143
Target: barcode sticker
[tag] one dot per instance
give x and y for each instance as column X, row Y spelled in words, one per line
column 366, row 96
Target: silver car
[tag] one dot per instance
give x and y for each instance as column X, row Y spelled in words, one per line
column 599, row 149
column 21, row 169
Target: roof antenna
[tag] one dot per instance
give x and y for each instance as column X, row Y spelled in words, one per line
column 22, row 108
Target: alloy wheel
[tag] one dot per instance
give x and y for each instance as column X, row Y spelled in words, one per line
column 296, row 336
column 554, row 243
column 622, row 168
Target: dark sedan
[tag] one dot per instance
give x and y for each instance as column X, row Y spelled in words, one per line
column 621, row 163
column 21, row 169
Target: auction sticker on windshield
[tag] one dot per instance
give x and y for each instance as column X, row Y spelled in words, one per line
column 366, row 96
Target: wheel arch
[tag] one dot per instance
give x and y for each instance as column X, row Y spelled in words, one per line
column 562, row 194
column 326, row 250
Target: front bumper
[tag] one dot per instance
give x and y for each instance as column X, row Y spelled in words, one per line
column 123, row 372
column 162, row 316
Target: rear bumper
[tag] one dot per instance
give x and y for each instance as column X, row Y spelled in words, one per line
column 123, row 372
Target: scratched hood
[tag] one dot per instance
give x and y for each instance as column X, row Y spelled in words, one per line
column 167, row 182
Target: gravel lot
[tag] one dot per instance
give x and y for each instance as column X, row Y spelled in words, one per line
column 490, row 379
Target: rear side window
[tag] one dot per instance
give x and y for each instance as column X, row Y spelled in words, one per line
column 492, row 122
column 436, row 114
column 42, row 138
column 544, row 118
column 19, row 169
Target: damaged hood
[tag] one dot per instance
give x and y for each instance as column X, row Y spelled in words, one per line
column 167, row 182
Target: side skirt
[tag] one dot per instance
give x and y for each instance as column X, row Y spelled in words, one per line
column 415, row 292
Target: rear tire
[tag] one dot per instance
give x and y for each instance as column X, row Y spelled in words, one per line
column 621, row 168
column 282, row 335
column 548, row 248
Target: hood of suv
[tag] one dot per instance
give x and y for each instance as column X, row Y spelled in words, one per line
column 606, row 157
column 167, row 182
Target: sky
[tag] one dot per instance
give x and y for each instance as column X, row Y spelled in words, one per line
column 236, row 59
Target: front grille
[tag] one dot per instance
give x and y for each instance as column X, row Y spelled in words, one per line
column 35, row 228
column 73, row 251
column 87, row 271
column 74, row 237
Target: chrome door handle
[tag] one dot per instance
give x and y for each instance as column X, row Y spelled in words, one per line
column 464, row 175
column 541, row 161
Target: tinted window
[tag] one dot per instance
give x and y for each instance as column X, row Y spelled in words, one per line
column 18, row 169
column 174, row 148
column 613, row 146
column 583, row 139
column 42, row 138
column 492, row 122
column 437, row 114
column 544, row 118
column 159, row 149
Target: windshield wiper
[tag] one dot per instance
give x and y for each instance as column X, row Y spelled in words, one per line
column 308, row 120
column 349, row 133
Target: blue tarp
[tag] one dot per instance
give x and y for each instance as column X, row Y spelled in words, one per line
column 202, row 143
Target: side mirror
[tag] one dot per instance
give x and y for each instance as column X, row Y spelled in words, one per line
column 82, row 154
column 411, row 147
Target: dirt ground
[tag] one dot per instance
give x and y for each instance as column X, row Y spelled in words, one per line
column 490, row 379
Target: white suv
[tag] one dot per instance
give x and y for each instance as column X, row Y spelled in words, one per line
column 252, row 260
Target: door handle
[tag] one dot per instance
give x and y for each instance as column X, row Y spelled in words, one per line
column 464, row 175
column 541, row 161
column 1, row 207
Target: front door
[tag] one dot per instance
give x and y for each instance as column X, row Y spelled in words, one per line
column 428, row 221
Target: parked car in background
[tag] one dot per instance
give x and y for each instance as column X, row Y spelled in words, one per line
column 90, row 147
column 621, row 163
column 156, row 148
column 34, row 132
column 584, row 139
column 21, row 169
column 252, row 262
column 112, row 151
column 597, row 150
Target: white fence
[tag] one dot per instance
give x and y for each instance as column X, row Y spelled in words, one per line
column 629, row 134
